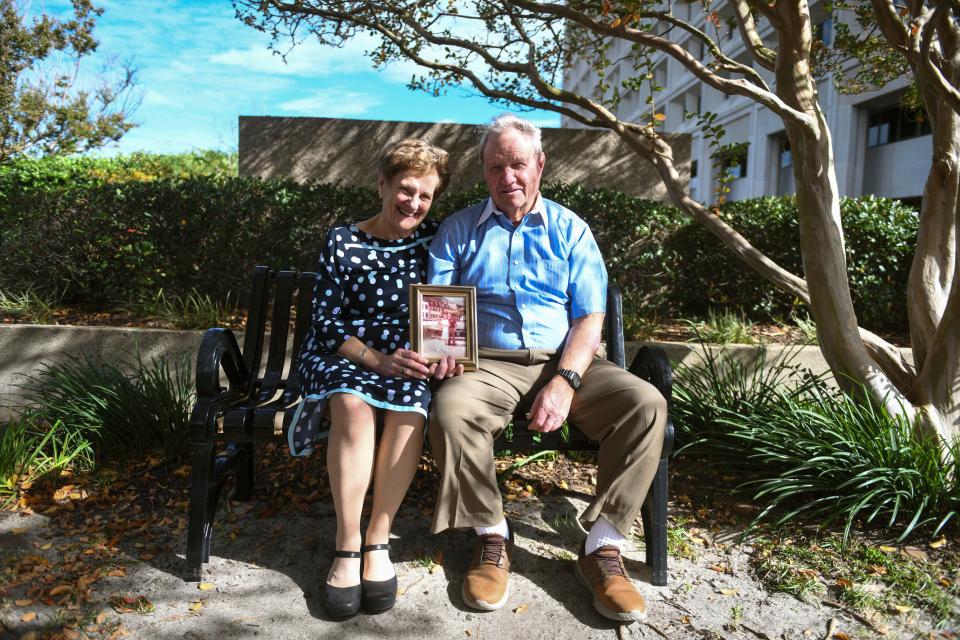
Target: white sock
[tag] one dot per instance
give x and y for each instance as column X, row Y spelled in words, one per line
column 500, row 529
column 601, row 534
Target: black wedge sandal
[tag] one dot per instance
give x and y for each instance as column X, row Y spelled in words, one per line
column 343, row 602
column 378, row 595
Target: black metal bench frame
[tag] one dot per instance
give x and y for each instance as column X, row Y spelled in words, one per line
column 254, row 409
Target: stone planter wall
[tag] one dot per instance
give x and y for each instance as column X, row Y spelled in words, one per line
column 24, row 349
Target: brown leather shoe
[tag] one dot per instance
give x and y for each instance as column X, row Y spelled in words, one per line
column 485, row 586
column 614, row 595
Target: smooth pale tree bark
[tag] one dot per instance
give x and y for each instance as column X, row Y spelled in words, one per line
column 515, row 52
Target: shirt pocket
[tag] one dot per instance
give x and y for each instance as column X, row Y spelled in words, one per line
column 553, row 278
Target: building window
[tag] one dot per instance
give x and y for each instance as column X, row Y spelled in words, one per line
column 824, row 31
column 734, row 161
column 895, row 124
column 786, row 158
column 694, row 180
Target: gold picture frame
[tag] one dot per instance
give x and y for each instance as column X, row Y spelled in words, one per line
column 443, row 321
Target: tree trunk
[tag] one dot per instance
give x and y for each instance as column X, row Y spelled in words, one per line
column 933, row 294
column 821, row 234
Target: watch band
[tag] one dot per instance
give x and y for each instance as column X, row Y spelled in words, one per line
column 571, row 376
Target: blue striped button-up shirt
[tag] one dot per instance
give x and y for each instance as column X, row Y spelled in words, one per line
column 532, row 279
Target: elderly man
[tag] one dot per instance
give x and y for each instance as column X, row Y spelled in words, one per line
column 541, row 294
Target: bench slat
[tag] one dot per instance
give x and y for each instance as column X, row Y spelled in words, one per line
column 279, row 329
column 256, row 320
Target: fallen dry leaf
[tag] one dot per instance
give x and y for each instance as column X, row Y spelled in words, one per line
column 101, row 617
column 843, row 583
column 206, row 586
column 70, row 634
column 915, row 553
column 887, row 549
column 63, row 588
column 117, row 573
column 23, row 603
column 522, row 609
column 28, row 616
column 840, row 635
column 936, row 544
column 902, row 608
column 728, row 592
column 196, row 606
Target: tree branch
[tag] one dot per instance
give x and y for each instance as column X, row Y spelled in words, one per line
column 893, row 29
column 765, row 56
column 681, row 55
column 946, row 90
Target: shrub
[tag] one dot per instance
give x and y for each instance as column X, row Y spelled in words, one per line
column 122, row 410
column 108, row 231
column 880, row 236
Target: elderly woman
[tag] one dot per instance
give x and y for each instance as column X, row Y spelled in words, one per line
column 356, row 360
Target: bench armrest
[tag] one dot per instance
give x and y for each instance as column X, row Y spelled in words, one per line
column 219, row 350
column 651, row 364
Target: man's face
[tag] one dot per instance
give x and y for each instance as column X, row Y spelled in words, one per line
column 512, row 172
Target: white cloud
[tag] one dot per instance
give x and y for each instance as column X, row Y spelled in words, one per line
column 311, row 58
column 333, row 103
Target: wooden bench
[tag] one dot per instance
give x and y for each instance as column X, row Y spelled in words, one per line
column 254, row 409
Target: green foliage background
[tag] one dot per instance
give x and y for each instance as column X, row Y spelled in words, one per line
column 108, row 231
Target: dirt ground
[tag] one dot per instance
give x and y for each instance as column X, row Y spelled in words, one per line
column 101, row 556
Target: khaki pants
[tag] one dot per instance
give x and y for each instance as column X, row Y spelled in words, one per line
column 625, row 414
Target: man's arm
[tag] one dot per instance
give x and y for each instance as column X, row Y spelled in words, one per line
column 443, row 262
column 552, row 404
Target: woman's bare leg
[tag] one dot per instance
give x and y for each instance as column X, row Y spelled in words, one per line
column 396, row 464
column 349, row 463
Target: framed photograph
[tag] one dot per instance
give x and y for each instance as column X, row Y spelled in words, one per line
column 443, row 322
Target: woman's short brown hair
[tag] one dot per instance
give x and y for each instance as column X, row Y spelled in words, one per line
column 416, row 155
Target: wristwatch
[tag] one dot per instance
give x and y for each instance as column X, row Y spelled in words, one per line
column 571, row 376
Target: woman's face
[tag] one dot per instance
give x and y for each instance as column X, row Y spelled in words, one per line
column 406, row 200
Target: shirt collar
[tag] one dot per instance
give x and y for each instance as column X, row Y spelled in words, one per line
column 489, row 209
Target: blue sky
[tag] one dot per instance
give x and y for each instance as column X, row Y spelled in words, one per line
column 200, row 68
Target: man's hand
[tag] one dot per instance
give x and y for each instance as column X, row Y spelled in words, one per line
column 446, row 368
column 551, row 406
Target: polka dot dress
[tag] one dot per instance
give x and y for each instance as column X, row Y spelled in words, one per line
column 362, row 291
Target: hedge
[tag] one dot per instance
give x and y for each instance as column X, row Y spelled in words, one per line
column 108, row 232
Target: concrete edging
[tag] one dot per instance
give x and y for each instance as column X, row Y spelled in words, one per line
column 24, row 349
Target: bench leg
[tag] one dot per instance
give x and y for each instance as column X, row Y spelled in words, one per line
column 654, row 516
column 243, row 491
column 200, row 524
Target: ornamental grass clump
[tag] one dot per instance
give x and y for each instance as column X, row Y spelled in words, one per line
column 31, row 449
column 810, row 453
column 721, row 384
column 826, row 457
column 124, row 410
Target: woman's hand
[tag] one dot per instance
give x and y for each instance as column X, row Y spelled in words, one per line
column 405, row 364
column 446, row 368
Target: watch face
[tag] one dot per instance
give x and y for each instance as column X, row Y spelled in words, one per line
column 570, row 376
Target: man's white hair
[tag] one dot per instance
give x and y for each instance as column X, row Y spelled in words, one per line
column 506, row 121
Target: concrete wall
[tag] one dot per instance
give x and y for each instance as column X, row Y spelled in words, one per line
column 345, row 151
column 24, row 348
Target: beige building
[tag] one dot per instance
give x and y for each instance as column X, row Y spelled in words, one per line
column 345, row 151
column 879, row 149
